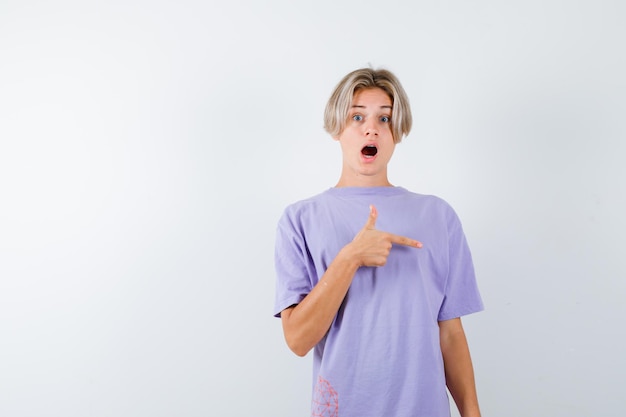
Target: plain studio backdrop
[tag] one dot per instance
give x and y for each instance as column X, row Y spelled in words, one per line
column 148, row 149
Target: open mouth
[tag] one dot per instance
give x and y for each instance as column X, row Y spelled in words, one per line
column 369, row 151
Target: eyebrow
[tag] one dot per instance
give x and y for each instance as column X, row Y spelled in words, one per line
column 362, row 107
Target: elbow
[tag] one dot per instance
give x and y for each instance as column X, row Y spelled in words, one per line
column 300, row 352
column 297, row 347
column 297, row 336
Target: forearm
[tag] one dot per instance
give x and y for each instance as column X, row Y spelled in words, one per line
column 458, row 368
column 306, row 324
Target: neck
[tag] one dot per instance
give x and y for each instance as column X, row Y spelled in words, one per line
column 363, row 181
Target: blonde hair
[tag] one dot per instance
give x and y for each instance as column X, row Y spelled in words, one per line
column 340, row 101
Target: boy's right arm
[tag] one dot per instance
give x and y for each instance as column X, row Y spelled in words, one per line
column 306, row 323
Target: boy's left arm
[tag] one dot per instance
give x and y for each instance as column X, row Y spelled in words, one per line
column 458, row 367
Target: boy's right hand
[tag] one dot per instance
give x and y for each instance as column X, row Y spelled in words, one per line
column 372, row 246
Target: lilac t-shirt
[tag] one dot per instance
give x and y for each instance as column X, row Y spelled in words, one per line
column 381, row 355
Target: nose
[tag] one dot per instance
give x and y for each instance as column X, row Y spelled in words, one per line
column 371, row 129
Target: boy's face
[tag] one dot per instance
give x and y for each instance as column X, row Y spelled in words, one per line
column 366, row 141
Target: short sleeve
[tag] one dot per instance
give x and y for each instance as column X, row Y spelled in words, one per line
column 291, row 260
column 461, row 295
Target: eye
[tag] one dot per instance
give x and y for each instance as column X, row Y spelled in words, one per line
column 357, row 118
column 385, row 119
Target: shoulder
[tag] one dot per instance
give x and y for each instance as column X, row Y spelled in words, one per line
column 304, row 205
column 301, row 210
column 429, row 200
column 432, row 209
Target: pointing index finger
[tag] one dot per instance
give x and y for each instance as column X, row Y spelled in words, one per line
column 405, row 241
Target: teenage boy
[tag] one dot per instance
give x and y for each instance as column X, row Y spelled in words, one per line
column 380, row 309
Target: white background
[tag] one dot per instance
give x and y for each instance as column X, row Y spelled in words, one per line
column 147, row 149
